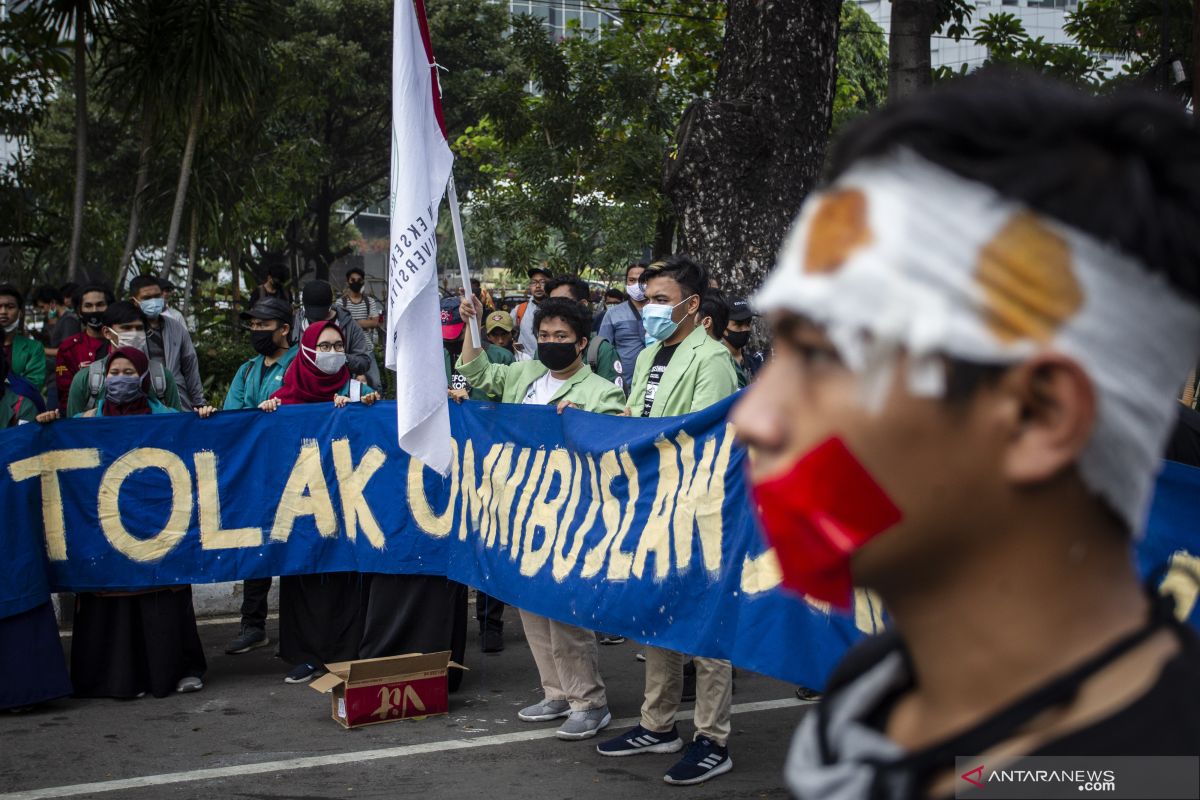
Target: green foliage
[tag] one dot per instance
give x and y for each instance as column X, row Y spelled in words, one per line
column 862, row 65
column 32, row 61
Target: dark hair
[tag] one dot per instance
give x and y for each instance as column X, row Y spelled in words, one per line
column 714, row 305
column 1124, row 168
column 141, row 282
column 681, row 269
column 88, row 288
column 121, row 312
column 635, row 265
column 578, row 286
column 569, row 311
column 67, row 290
column 358, row 270
column 614, row 292
column 279, row 272
column 8, row 290
column 47, row 294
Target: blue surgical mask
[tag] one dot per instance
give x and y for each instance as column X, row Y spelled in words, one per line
column 122, row 389
column 657, row 319
column 153, row 306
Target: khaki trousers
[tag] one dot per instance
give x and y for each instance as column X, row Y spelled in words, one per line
column 664, row 687
column 567, row 661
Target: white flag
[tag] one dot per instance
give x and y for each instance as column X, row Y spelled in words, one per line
column 421, row 161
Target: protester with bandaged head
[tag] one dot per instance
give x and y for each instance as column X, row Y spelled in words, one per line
column 320, row 616
column 980, row 328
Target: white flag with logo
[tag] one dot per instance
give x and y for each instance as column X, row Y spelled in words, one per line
column 421, row 161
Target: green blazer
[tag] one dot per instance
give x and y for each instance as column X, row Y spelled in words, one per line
column 29, row 360
column 511, row 382
column 700, row 374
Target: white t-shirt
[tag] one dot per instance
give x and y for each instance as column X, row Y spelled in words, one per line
column 541, row 390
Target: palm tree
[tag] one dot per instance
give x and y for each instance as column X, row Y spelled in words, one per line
column 74, row 18
column 135, row 63
column 221, row 53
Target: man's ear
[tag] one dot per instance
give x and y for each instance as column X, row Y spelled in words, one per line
column 1051, row 414
column 109, row 334
column 583, row 341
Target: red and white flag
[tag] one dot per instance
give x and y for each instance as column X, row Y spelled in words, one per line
column 421, row 161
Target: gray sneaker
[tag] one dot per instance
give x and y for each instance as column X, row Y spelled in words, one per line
column 544, row 711
column 584, row 724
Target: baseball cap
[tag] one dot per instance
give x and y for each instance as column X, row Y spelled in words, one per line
column 270, row 308
column 317, row 297
column 740, row 311
column 452, row 321
column 538, row 271
column 499, row 319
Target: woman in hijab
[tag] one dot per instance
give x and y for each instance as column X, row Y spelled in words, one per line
column 126, row 644
column 32, row 667
column 320, row 616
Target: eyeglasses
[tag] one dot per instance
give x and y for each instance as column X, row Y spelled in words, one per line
column 331, row 347
column 538, row 282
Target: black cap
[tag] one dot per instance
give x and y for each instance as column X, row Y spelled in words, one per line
column 740, row 311
column 539, row 271
column 270, row 308
column 316, row 297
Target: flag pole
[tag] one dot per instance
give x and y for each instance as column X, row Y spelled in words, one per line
column 463, row 269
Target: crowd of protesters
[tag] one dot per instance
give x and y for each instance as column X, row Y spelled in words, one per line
column 96, row 356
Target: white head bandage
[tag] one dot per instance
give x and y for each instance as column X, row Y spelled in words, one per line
column 900, row 254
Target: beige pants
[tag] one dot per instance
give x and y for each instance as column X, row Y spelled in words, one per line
column 567, row 662
column 664, row 687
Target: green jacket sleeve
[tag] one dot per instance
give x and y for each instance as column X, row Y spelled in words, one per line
column 610, row 401
column 77, row 397
column 171, row 393
column 606, row 361
column 483, row 375
column 236, row 396
column 715, row 380
column 29, row 360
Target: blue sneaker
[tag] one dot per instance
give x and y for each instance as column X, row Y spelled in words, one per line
column 703, row 760
column 639, row 740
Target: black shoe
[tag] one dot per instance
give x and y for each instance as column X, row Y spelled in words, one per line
column 249, row 639
column 493, row 641
column 703, row 760
column 805, row 693
column 303, row 673
column 689, row 682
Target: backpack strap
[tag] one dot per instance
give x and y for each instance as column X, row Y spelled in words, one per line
column 95, row 382
column 158, row 380
column 593, row 353
column 521, row 312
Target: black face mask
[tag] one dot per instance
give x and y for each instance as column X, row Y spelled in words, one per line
column 557, row 355
column 355, row 286
column 738, row 339
column 264, row 342
column 94, row 319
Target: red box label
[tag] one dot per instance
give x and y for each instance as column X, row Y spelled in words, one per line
column 383, row 701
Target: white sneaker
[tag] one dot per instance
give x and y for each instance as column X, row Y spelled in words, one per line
column 584, row 724
column 544, row 711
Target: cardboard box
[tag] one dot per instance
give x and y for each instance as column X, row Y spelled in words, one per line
column 375, row 690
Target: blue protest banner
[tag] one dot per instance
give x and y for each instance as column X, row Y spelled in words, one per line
column 635, row 526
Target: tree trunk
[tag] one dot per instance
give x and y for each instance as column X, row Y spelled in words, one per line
column 747, row 156
column 185, row 174
column 1195, row 54
column 324, row 210
column 81, row 126
column 193, row 252
column 664, row 234
column 910, row 68
column 235, row 266
column 139, row 193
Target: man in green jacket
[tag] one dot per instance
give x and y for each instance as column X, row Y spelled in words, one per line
column 684, row 371
column 601, row 355
column 566, row 655
column 25, row 356
column 270, row 324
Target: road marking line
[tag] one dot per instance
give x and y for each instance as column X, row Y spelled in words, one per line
column 340, row 759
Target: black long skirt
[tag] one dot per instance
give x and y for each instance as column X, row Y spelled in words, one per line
column 33, row 668
column 125, row 645
column 416, row 614
column 321, row 617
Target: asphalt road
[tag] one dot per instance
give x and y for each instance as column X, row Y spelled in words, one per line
column 249, row 735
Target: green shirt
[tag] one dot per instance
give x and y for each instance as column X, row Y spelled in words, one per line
column 254, row 382
column 699, row 374
column 511, row 382
column 26, row 411
column 29, row 360
column 496, row 355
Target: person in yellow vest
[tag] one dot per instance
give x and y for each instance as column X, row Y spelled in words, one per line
column 566, row 655
column 682, row 371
